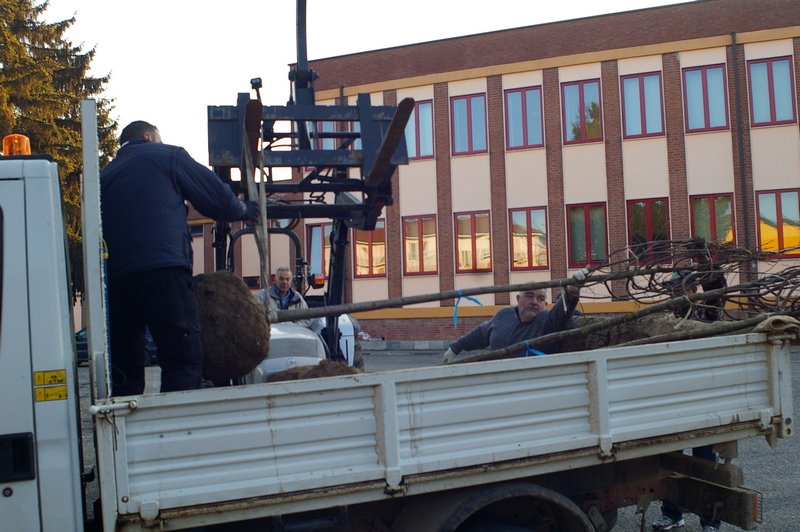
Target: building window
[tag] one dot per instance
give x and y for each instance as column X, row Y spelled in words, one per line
column 280, row 223
column 253, row 282
column 712, row 217
column 587, row 234
column 370, row 251
column 648, row 228
column 355, row 127
column 315, row 131
column 419, row 245
column 325, row 143
column 319, row 248
column 419, row 131
column 524, row 118
column 582, row 114
column 779, row 221
column 473, row 242
column 642, row 106
column 469, row 124
column 705, row 98
column 771, row 92
column 528, row 238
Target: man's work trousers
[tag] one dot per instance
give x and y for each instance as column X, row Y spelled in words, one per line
column 162, row 299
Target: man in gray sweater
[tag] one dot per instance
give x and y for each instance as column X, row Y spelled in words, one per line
column 528, row 320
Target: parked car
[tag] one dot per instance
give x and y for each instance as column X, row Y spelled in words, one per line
column 82, row 347
column 286, row 340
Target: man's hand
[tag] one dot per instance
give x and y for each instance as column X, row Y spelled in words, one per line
column 580, row 276
column 449, row 356
column 251, row 211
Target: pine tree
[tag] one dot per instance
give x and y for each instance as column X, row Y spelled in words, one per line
column 43, row 78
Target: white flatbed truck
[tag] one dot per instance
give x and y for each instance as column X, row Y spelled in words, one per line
column 543, row 443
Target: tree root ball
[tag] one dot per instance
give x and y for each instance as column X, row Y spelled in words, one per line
column 233, row 326
column 645, row 327
column 325, row 368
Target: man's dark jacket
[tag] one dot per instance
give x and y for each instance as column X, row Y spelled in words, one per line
column 144, row 214
column 505, row 329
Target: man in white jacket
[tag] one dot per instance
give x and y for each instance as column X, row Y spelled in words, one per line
column 282, row 296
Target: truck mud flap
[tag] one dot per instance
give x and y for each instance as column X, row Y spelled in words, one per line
column 708, row 488
column 738, row 506
column 689, row 466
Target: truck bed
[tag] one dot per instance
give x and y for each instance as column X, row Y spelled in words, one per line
column 215, row 455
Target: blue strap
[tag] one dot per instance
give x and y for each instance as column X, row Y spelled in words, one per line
column 455, row 310
column 530, row 351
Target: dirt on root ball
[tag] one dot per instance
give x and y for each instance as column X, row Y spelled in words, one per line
column 233, row 326
column 325, row 368
column 645, row 327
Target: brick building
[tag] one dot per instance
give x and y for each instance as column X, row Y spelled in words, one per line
column 537, row 150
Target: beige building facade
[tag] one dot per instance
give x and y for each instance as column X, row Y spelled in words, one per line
column 536, row 151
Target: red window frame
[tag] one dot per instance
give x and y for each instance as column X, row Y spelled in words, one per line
column 324, row 257
column 524, row 115
column 642, row 105
column 582, row 103
column 528, row 240
column 706, row 110
column 771, row 90
column 780, row 221
column 650, row 236
column 587, row 234
column 470, row 118
column 420, row 245
column 415, row 122
column 712, row 222
column 370, row 243
column 473, row 241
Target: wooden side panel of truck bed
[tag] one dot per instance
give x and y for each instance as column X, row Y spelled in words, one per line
column 279, row 448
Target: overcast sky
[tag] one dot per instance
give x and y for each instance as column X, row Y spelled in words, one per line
column 170, row 59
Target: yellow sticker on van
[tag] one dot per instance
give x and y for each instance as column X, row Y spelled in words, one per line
column 48, row 378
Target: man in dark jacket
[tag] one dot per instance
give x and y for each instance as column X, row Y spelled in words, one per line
column 143, row 197
column 528, row 320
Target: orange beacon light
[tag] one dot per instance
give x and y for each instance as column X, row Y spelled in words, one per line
column 16, row 145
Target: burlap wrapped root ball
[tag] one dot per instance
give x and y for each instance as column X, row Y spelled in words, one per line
column 644, row 327
column 233, row 326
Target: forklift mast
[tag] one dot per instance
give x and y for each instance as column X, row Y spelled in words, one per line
column 374, row 144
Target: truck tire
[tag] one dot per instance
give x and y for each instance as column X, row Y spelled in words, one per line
column 494, row 508
column 494, row 527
